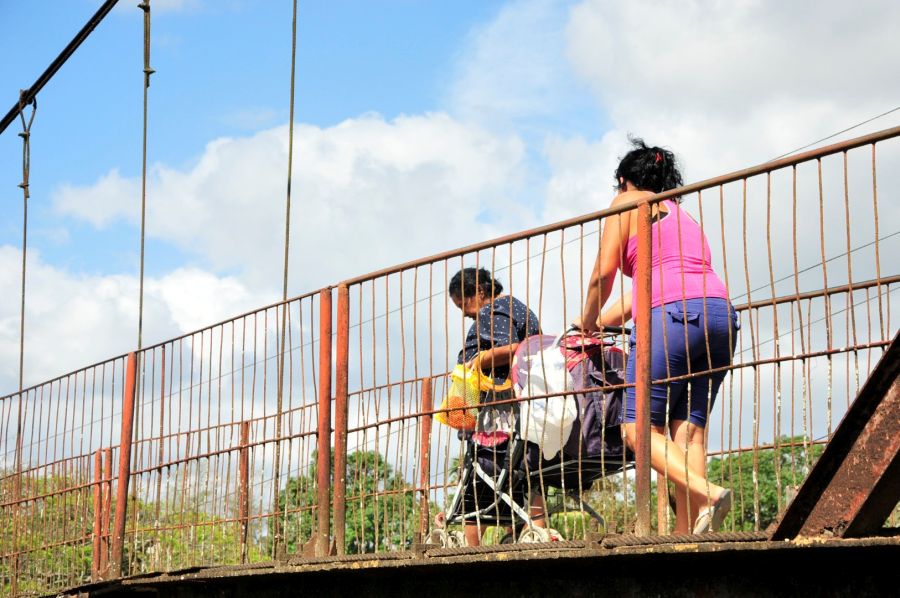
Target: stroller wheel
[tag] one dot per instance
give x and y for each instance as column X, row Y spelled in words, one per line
column 508, row 538
column 445, row 539
column 534, row 535
column 437, row 537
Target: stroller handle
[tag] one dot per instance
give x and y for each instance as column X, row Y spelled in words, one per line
column 604, row 330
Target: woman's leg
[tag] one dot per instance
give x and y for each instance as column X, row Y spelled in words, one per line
column 692, row 439
column 668, row 458
column 679, row 342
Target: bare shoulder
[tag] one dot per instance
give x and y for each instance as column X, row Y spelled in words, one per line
column 628, row 196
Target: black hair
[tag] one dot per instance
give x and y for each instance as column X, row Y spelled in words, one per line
column 468, row 281
column 648, row 168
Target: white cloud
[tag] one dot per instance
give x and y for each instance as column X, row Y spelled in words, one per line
column 73, row 320
column 111, row 197
column 731, row 57
column 724, row 84
column 513, row 69
column 366, row 193
column 369, row 193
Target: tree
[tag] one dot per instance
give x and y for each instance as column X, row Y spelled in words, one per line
column 381, row 510
column 763, row 481
column 43, row 533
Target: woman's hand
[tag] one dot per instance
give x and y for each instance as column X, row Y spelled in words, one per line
column 475, row 362
column 579, row 324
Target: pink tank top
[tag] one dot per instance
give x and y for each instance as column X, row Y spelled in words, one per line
column 671, row 258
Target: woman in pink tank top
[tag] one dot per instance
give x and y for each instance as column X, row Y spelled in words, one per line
column 692, row 328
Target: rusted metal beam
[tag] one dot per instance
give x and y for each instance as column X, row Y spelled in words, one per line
column 341, row 384
column 323, row 457
column 425, row 456
column 244, row 488
column 98, row 515
column 642, row 372
column 125, row 440
column 856, row 482
column 662, row 504
column 106, row 513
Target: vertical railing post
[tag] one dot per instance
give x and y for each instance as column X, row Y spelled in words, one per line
column 662, row 504
column 17, row 493
column 341, row 384
column 424, row 457
column 106, row 497
column 323, row 459
column 643, row 282
column 98, row 515
column 125, row 441
column 161, row 454
column 244, row 488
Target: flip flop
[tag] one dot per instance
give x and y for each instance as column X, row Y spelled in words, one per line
column 720, row 510
column 712, row 517
column 701, row 525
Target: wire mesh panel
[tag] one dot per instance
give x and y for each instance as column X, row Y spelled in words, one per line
column 52, row 434
column 314, row 426
column 798, row 246
column 225, row 426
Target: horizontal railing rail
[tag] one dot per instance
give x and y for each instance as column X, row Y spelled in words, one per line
column 306, row 427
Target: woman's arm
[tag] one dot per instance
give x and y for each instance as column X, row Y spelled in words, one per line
column 609, row 258
column 495, row 357
column 618, row 314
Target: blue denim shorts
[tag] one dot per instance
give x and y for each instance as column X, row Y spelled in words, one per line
column 674, row 354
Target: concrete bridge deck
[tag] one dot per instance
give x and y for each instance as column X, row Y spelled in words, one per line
column 743, row 564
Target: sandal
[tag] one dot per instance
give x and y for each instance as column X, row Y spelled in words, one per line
column 712, row 517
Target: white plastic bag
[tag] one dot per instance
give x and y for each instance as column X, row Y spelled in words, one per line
column 541, row 368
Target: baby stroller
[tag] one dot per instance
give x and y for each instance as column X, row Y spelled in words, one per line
column 500, row 471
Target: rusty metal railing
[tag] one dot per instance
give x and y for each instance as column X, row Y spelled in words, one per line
column 202, row 450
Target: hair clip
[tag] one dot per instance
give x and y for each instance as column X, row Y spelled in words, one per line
column 658, row 157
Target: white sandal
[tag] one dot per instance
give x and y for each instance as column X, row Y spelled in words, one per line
column 712, row 517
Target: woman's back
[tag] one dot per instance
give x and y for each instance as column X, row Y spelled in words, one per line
column 680, row 259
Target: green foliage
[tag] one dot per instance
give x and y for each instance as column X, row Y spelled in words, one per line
column 61, row 522
column 762, row 481
column 382, row 514
column 185, row 539
column 381, row 510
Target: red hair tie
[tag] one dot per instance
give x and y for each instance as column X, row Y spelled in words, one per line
column 658, row 157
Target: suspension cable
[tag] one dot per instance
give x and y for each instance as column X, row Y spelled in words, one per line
column 26, row 172
column 144, row 6
column 284, row 313
column 290, row 160
column 57, row 63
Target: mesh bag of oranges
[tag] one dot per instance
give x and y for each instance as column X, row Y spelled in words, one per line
column 459, row 409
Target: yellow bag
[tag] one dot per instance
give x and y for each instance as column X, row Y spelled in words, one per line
column 464, row 396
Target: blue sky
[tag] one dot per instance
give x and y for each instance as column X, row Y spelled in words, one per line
column 223, row 70
column 479, row 117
